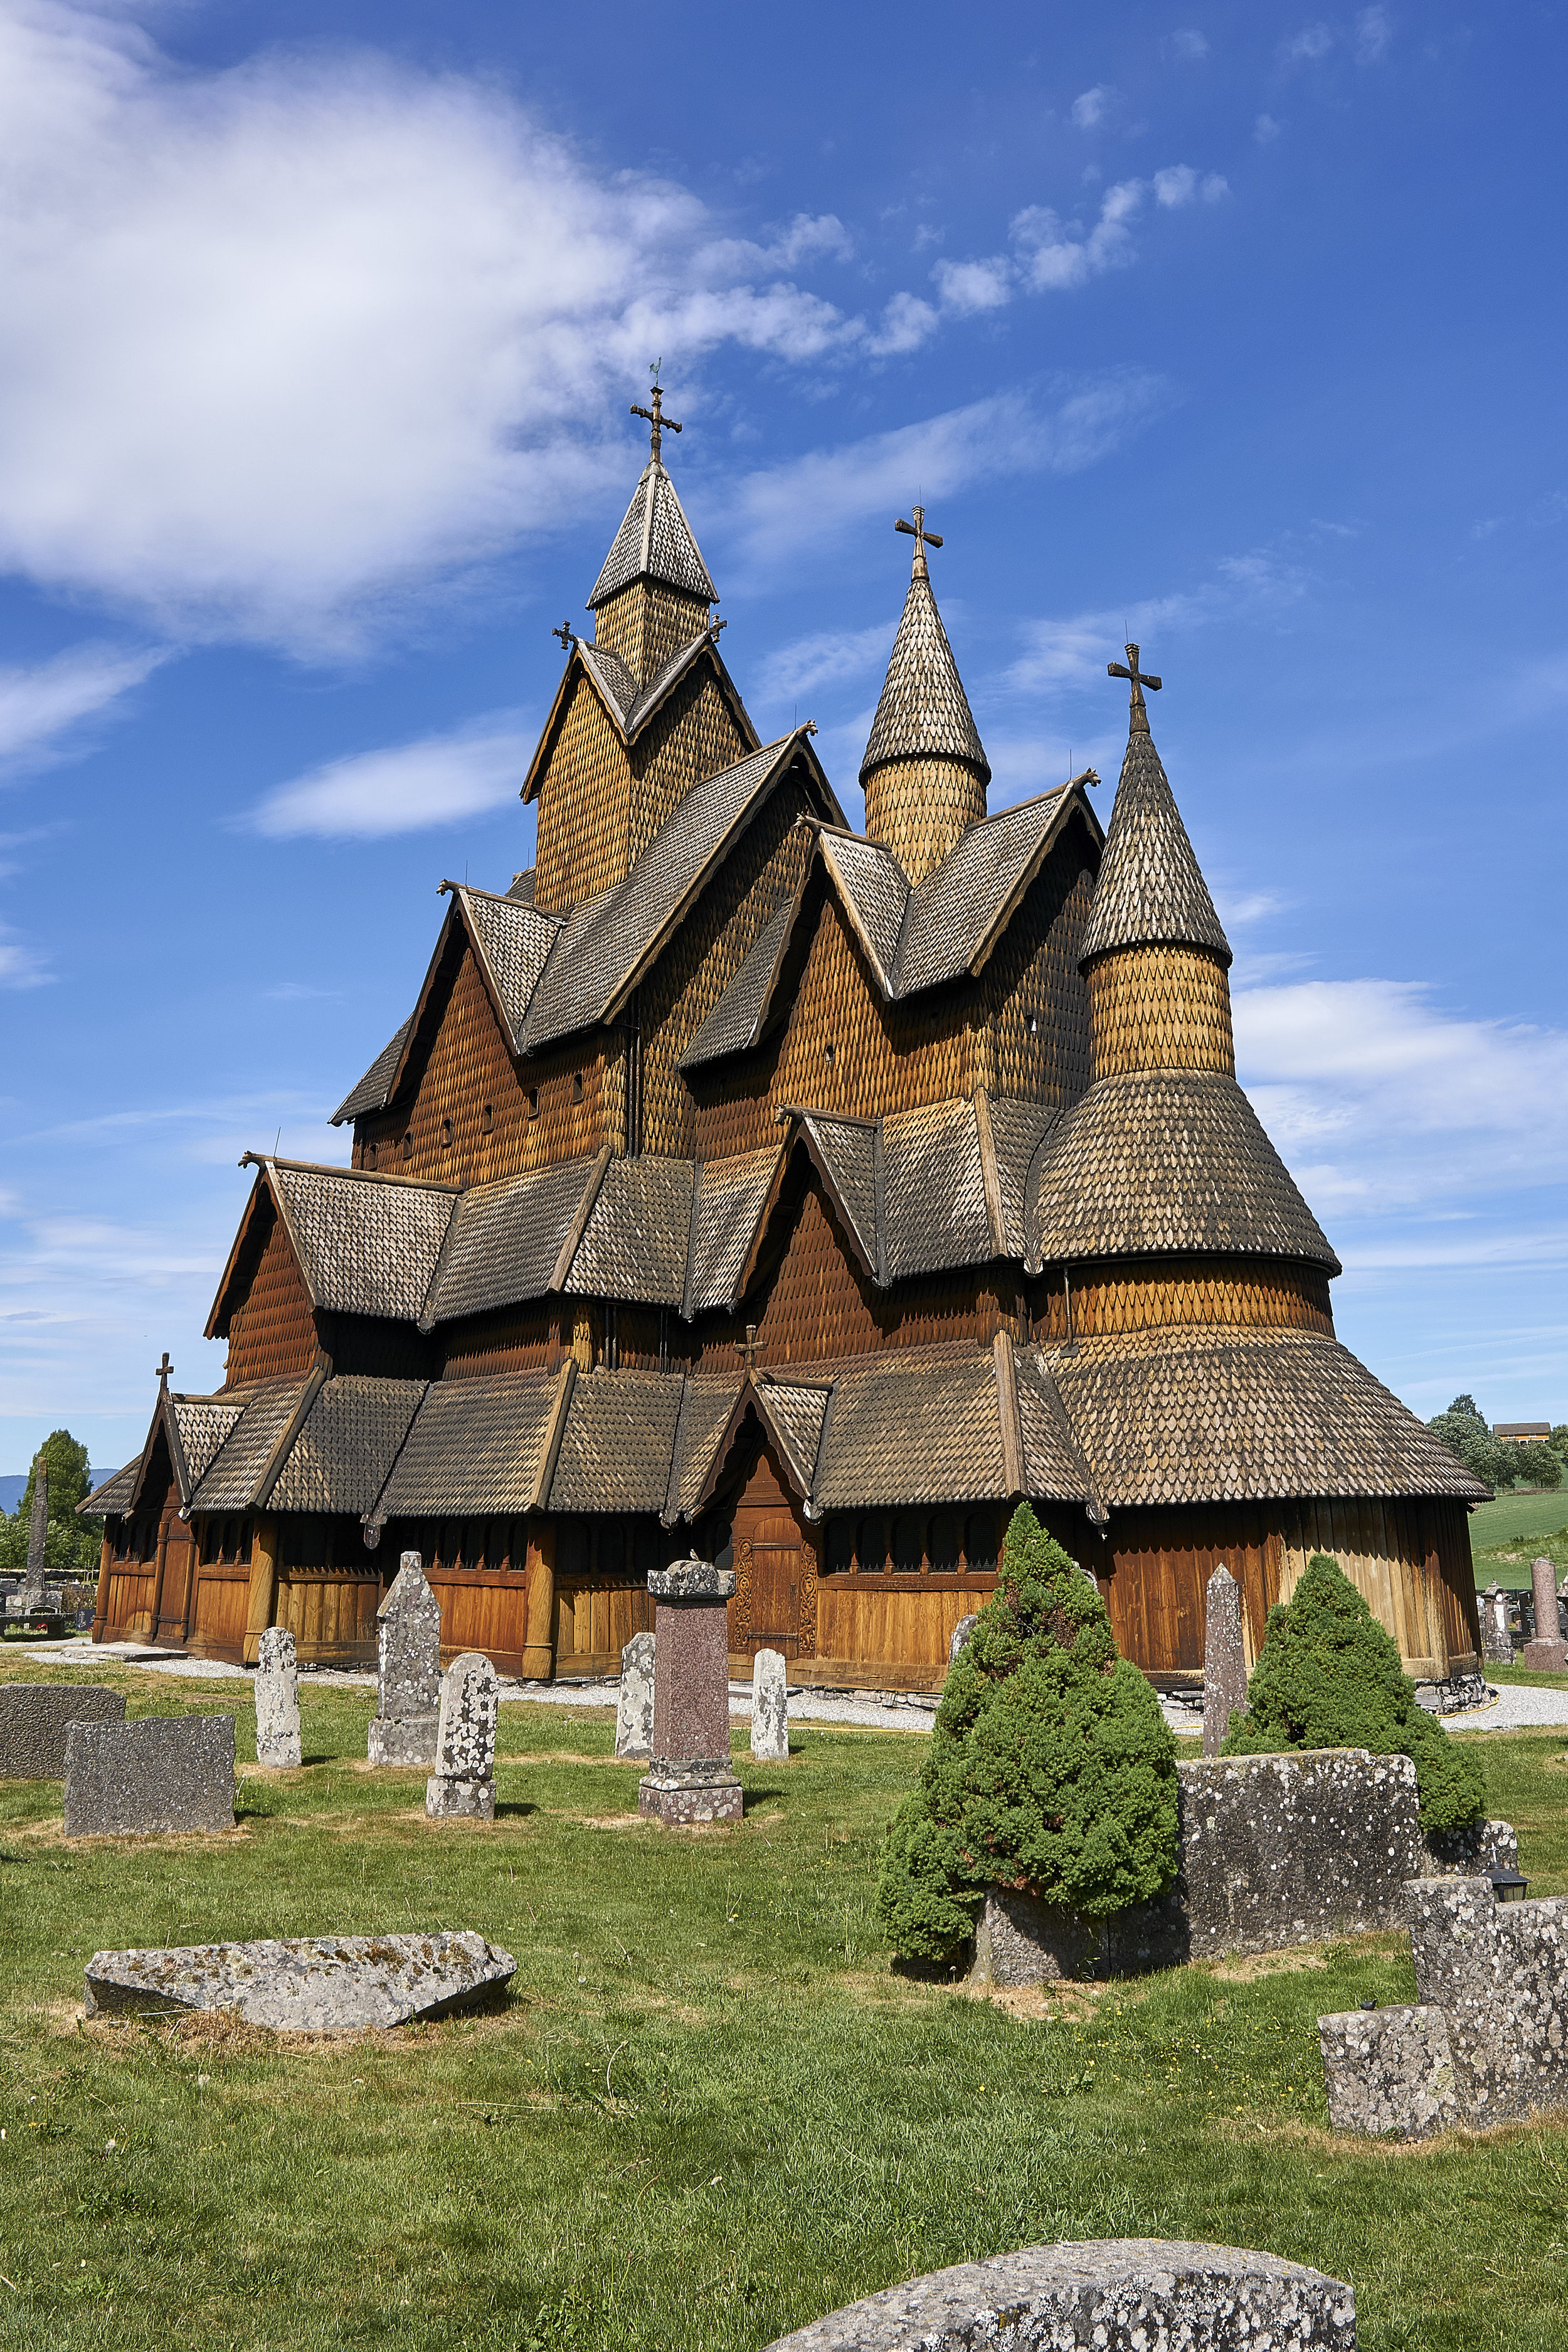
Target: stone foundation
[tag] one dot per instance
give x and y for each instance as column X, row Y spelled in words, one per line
column 685, row 1795
column 402, row 1739
column 448, row 1800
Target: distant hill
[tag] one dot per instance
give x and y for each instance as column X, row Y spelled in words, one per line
column 13, row 1488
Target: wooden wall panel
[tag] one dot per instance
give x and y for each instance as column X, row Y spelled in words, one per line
column 692, row 736
column 218, row 1624
column 519, row 1339
column 1146, row 1294
column 648, row 623
column 274, row 1331
column 1038, row 1040
column 331, row 1611
column 872, row 1622
column 585, row 805
column 1160, row 1008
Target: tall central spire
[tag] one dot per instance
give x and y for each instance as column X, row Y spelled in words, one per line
column 653, row 594
column 925, row 770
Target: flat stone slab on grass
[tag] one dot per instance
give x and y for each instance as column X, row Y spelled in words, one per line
column 35, row 1718
column 1119, row 2294
column 304, row 1984
column 165, row 1773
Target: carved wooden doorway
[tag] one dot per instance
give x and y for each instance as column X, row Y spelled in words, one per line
column 774, row 1607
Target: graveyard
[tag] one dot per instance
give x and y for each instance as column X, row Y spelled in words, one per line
column 707, row 2107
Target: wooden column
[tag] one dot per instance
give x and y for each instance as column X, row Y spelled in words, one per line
column 263, row 1592
column 100, row 1610
column 539, row 1607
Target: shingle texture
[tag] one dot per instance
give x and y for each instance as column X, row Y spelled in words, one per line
column 637, row 1238
column 875, row 891
column 113, row 1495
column 618, row 1444
column 1186, row 1416
column 923, row 708
column 934, row 1191
column 795, row 1415
column 731, row 1197
column 1018, row 1130
column 904, row 1431
column 736, row 1021
column 705, row 1409
column 655, row 542
column 1150, row 888
column 1053, row 1460
column 203, row 1424
column 506, row 1239
column 231, row 1482
column 514, row 943
column 374, row 1088
column 365, row 1245
column 1173, row 1159
column 341, row 1459
column 475, row 1446
column 954, row 911
column 848, row 1150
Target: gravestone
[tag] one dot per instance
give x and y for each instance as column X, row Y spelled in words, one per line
column 35, row 1717
column 1548, row 1652
column 634, row 1708
column 690, row 1778
column 276, row 1698
column 1497, row 1641
column 769, row 1708
column 1225, row 1660
column 463, row 1785
column 304, row 1984
column 1115, row 2294
column 960, row 1633
column 1390, row 2072
column 164, row 1774
column 402, row 1730
column 37, row 1540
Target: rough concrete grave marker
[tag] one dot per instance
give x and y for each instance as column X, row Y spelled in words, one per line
column 167, row 1773
column 276, row 1698
column 770, row 1708
column 37, row 1539
column 463, row 1785
column 1225, row 1660
column 690, row 1778
column 408, row 1670
column 304, row 1984
column 35, row 1719
column 634, row 1709
column 1548, row 1652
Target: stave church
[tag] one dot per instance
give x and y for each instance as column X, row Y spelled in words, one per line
column 741, row 1184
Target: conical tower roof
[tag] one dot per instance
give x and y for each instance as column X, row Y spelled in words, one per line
column 1150, row 890
column 924, row 712
column 655, row 542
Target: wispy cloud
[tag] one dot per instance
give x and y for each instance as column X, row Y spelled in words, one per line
column 21, row 966
column 403, row 788
column 1264, row 131
column 1089, row 107
column 1312, row 42
column 1052, row 255
column 1190, row 46
column 44, row 708
column 1373, row 33
column 826, row 658
column 1068, row 652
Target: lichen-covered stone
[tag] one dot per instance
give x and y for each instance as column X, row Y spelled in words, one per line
column 1496, row 1635
column 276, row 1698
column 166, row 1774
column 1020, row 1941
column 1499, row 1971
column 634, row 1707
column 692, row 1579
column 960, row 1633
column 1116, row 2294
column 462, row 1786
column 1225, row 1659
column 402, row 1730
column 1473, row 1852
column 1390, row 2072
column 770, row 1708
column 304, row 1984
column 35, row 1718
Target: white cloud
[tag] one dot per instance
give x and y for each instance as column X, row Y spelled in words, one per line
column 20, row 965
column 966, row 287
column 1071, row 651
column 1090, row 108
column 1312, row 42
column 822, row 660
column 1373, row 32
column 401, row 789
column 1179, row 184
column 1057, row 255
column 907, row 323
column 1190, row 45
column 810, row 499
column 41, row 704
column 1266, row 131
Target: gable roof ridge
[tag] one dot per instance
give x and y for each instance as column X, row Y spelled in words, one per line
column 272, row 1469
column 880, row 1201
column 374, row 1519
column 573, row 1243
column 670, row 1510
column 1015, row 1475
column 555, row 1430
column 813, row 1508
column 990, row 1176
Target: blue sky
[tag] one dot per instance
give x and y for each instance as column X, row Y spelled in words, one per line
column 1235, row 330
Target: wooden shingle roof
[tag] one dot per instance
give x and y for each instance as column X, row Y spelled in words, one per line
column 923, row 711
column 655, row 542
column 1149, row 889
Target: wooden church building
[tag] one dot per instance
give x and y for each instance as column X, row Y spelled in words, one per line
column 744, row 1184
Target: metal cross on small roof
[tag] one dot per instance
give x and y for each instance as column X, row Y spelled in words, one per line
column 658, row 423
column 748, row 1347
column 1138, row 680
column 917, row 531
column 568, row 635
column 163, row 1369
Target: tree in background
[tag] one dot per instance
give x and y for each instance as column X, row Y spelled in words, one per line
column 1559, row 1440
column 1536, row 1463
column 1328, row 1675
column 1464, row 1430
column 71, row 1546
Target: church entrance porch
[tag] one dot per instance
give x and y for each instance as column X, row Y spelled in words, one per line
column 776, row 1563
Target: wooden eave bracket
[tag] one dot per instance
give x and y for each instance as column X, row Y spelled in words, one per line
column 556, row 1429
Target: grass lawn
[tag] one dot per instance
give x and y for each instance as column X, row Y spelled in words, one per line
column 1529, row 1525
column 709, row 2111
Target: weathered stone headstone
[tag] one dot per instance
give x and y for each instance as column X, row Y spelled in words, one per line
column 960, row 1633
column 276, row 1698
column 1497, row 1641
column 1548, row 1652
column 163, row 1774
column 1225, row 1660
column 1390, row 2072
column 1115, row 2292
column 402, row 1730
column 634, row 1708
column 37, row 1537
column 304, row 1984
column 463, row 1785
column 690, row 1778
column 770, row 1708
column 35, row 1719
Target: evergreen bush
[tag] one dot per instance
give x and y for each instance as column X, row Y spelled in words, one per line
column 1051, row 1767
column 1328, row 1676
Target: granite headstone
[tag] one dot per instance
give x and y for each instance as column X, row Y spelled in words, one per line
column 1225, row 1660
column 403, row 1730
column 634, row 1707
column 37, row 1539
column 304, row 1984
column 162, row 1774
column 35, row 1717
column 689, row 1780
column 770, row 1708
column 463, row 1785
column 276, row 1698
column 1548, row 1652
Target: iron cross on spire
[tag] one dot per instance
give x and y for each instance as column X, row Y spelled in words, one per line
column 163, row 1369
column 658, row 423
column 568, row 635
column 917, row 531
column 1139, row 723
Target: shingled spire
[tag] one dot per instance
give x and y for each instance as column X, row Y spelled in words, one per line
column 925, row 772
column 1154, row 953
column 653, row 594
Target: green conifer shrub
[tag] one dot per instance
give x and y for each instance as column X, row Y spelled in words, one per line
column 1328, row 1675
column 1050, row 1767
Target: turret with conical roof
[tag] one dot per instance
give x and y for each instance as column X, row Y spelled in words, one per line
column 925, row 772
column 653, row 594
column 1155, row 954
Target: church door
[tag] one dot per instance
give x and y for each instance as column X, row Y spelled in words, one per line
column 769, row 1542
